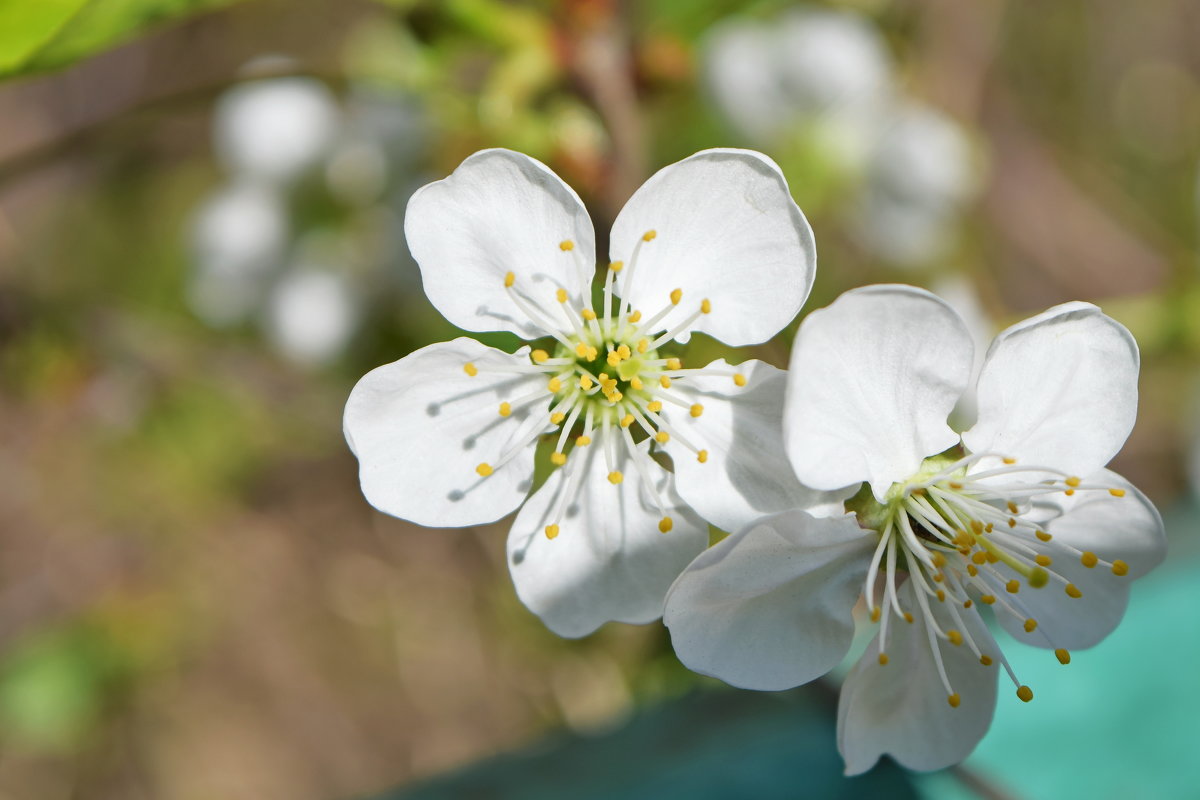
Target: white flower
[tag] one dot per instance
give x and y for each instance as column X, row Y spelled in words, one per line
column 942, row 526
column 448, row 436
column 311, row 314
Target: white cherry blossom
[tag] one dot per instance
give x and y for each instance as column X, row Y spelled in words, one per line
column 1018, row 514
column 449, row 435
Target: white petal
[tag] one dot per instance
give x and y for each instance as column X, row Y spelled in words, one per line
column 609, row 561
column 740, row 71
column 901, row 708
column 727, row 230
column 872, row 380
column 501, row 212
column 421, row 425
column 770, row 607
column 1059, row 389
column 1126, row 528
column 747, row 474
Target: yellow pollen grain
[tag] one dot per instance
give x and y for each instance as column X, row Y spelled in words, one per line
column 939, row 577
column 941, row 596
column 1073, row 482
column 558, row 459
column 972, row 570
column 939, row 560
column 979, row 557
column 1120, row 568
column 566, row 245
column 875, row 613
column 992, row 558
column 1025, row 693
column 908, row 617
column 636, row 383
column 985, row 660
column 976, row 526
column 1088, row 559
column 1117, row 492
column 1012, row 507
column 624, row 352
column 583, row 441
column 470, row 369
column 505, row 409
column 665, row 524
column 588, row 314
column 626, row 420
column 702, row 456
column 987, row 599
column 988, row 528
column 954, row 700
column 509, row 280
column 1012, row 522
column 1043, row 536
column 662, row 437
column 1009, row 461
column 1030, row 625
column 968, row 603
column 674, row 363
column 1043, row 560
column 557, row 417
column 1069, row 492
column 643, row 345
column 551, row 531
column 554, row 385
column 954, row 485
column 649, row 235
column 585, row 382
column 635, row 317
column 1073, row 591
column 676, row 296
column 664, row 382
column 705, row 306
column 697, row 409
column 484, row 469
column 955, row 637
column 591, row 354
column 1012, row 587
column 616, row 266
column 581, row 350
column 1063, row 656
column 615, row 477
column 739, row 379
column 561, row 294
column 883, row 659
column 614, row 358
column 654, row 406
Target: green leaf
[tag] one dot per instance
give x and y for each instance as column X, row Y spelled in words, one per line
column 42, row 34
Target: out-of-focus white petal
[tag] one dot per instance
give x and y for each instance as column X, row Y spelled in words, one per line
column 770, row 607
column 501, row 212
column 609, row 561
column 1058, row 390
column 421, row 425
column 725, row 230
column 742, row 75
column 311, row 315
column 275, row 129
column 1126, row 528
column 746, row 474
column 901, row 709
column 832, row 62
column 872, row 380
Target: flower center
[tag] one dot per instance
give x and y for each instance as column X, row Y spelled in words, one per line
column 605, row 381
column 962, row 536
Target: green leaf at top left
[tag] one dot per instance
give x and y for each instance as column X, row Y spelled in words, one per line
column 26, row 26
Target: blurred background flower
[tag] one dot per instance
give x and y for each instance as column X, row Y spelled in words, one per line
column 201, row 250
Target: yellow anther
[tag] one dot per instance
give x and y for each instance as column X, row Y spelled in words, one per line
column 625, row 352
column 636, row 383
column 1063, row 656
column 662, row 437
column 1043, row 560
column 1069, row 492
column 614, row 358
column 643, row 345
column 664, row 382
column 1088, row 559
column 674, row 363
column 954, row 485
column 985, row 660
column 697, row 409
column 581, row 350
column 626, row 420
column 968, row 603
column 875, row 613
column 1073, row 482
column 583, row 441
column 702, row 456
column 585, row 382
column 939, row 577
column 557, row 417
column 616, row 266
column 649, row 235
column 484, row 469
column 1012, row 587
column 615, row 477
column 558, row 459
column 939, row 560
column 954, row 700
column 509, row 280
column 1073, row 591
column 955, row 637
column 976, row 526
column 1012, row 522
column 588, row 314
column 1012, row 507
column 554, row 385
column 1025, row 693
column 539, row 356
column 676, row 296
column 988, row 528
column 972, row 570
column 1038, row 577
column 979, row 557
column 604, row 378
column 1009, row 461
column 1117, row 492
column 883, row 659
column 654, row 406
column 987, row 599
column 565, row 245
column 635, row 317
column 941, row 596
column 1120, row 568
column 470, row 369
column 551, row 531
column 665, row 524
column 992, row 558
column 739, row 379
column 561, row 294
column 592, row 353
column 908, row 617
column 1043, row 536
column 1030, row 625
column 706, row 306
column 505, row 409
column 614, row 397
